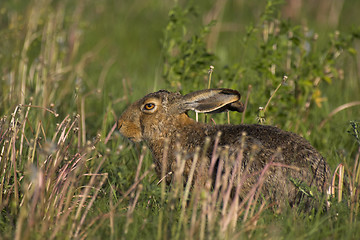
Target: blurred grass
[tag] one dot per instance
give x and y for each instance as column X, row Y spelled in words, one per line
column 93, row 58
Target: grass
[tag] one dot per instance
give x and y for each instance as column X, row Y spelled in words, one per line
column 70, row 69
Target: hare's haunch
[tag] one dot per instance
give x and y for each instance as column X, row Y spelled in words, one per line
column 163, row 115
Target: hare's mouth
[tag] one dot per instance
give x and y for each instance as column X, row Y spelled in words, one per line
column 135, row 139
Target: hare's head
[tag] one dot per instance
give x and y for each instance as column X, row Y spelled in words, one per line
column 159, row 113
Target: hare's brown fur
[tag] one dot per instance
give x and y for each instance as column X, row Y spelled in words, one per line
column 261, row 144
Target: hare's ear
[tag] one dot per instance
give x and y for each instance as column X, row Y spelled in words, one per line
column 213, row 101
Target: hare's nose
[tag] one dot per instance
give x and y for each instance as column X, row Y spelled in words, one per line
column 119, row 124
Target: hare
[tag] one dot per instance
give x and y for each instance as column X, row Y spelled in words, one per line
column 163, row 115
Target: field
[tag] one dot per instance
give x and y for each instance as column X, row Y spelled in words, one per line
column 70, row 68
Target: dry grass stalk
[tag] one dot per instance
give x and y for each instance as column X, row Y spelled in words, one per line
column 46, row 186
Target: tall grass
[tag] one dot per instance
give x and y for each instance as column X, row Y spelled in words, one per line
column 47, row 187
column 66, row 173
column 44, row 182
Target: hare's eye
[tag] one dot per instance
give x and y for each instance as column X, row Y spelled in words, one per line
column 149, row 106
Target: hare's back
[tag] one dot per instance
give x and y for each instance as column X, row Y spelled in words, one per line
column 268, row 136
column 271, row 144
column 299, row 161
column 268, row 141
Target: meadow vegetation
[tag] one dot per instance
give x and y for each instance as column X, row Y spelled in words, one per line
column 69, row 68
